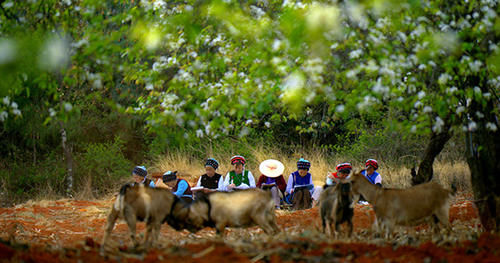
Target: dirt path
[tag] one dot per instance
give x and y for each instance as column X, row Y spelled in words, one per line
column 71, row 230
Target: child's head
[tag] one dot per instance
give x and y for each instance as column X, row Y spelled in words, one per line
column 371, row 166
column 170, row 178
column 238, row 163
column 210, row 166
column 303, row 166
column 343, row 170
column 139, row 173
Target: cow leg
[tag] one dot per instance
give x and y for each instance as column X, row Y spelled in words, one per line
column 323, row 224
column 131, row 220
column 156, row 232
column 148, row 235
column 443, row 216
column 113, row 215
column 349, row 223
column 337, row 228
column 376, row 228
column 220, row 228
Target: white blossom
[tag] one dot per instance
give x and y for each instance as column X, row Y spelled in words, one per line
column 355, row 53
column 421, row 95
column 351, row 74
column 444, row 78
column 472, row 126
column 460, row 109
column 8, row 5
column 267, row 124
column 80, row 43
column 55, row 54
column 249, row 121
column 244, row 132
column 417, row 104
column 427, row 109
column 413, row 129
column 340, row 108
column 479, row 115
column 14, row 105
column 491, row 126
column 475, row 66
column 8, row 51
column 6, row 100
column 16, row 112
column 159, row 4
column 3, row 116
column 199, row 133
column 67, row 106
column 52, row 112
column 438, row 125
column 477, row 90
column 452, row 90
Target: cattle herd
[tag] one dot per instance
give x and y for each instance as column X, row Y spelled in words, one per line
column 428, row 202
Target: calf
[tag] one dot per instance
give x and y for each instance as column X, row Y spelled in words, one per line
column 137, row 202
column 336, row 207
column 407, row 207
column 242, row 208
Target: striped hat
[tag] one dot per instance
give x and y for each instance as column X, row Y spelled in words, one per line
column 238, row 159
column 169, row 176
column 344, row 167
column 140, row 171
column 372, row 162
column 303, row 164
column 212, row 163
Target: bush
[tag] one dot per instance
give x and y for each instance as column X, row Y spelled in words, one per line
column 383, row 145
column 25, row 180
column 102, row 166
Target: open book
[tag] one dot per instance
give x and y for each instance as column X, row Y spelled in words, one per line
column 267, row 186
column 302, row 187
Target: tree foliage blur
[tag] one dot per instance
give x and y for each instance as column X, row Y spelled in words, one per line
column 303, row 71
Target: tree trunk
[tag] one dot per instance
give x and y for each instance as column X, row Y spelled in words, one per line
column 483, row 157
column 69, row 161
column 435, row 146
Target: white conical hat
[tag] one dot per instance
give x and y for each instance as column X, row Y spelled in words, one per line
column 271, row 168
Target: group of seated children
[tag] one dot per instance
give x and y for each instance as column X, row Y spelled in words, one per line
column 299, row 192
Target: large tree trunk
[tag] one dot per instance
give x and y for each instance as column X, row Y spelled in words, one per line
column 435, row 146
column 483, row 157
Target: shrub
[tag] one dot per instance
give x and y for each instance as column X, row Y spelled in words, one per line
column 102, row 166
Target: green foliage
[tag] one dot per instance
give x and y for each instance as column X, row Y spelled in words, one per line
column 383, row 144
column 24, row 180
column 104, row 165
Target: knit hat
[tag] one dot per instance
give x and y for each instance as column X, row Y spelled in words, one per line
column 238, row 159
column 372, row 162
column 344, row 168
column 140, row 171
column 303, row 164
column 169, row 176
column 213, row 163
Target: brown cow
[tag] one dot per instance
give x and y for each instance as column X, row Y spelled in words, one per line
column 336, row 207
column 242, row 208
column 408, row 207
column 138, row 202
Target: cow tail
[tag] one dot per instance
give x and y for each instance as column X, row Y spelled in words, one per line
column 118, row 206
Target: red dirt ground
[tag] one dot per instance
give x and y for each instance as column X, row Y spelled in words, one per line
column 71, row 231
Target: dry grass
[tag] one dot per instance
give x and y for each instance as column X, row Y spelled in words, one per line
column 392, row 176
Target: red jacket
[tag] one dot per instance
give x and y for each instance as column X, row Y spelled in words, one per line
column 280, row 182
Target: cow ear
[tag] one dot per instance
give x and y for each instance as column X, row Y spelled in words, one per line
column 174, row 173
